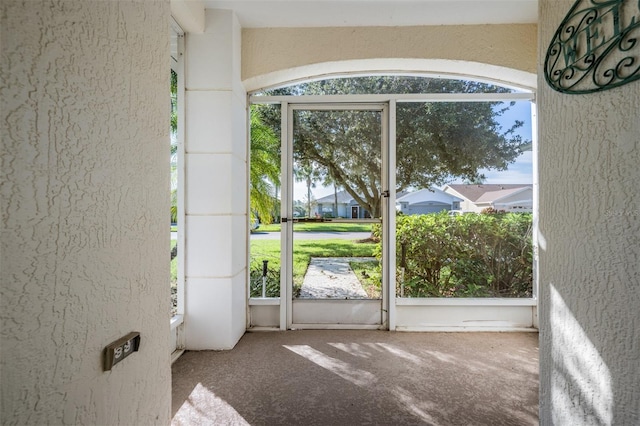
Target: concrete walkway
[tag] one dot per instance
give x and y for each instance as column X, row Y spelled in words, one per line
column 332, row 278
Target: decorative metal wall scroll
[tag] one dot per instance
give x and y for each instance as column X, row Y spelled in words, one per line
column 596, row 47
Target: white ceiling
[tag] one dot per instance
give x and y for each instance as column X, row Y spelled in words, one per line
column 341, row 13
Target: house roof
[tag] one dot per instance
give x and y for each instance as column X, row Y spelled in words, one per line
column 491, row 197
column 343, row 197
column 428, row 195
column 487, row 193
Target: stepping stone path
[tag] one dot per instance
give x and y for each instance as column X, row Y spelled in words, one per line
column 332, row 278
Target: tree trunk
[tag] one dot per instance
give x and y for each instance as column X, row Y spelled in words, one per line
column 309, row 195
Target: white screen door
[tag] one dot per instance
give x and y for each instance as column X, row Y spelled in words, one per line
column 334, row 207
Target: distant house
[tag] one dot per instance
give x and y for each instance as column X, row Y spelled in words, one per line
column 347, row 207
column 428, row 200
column 507, row 197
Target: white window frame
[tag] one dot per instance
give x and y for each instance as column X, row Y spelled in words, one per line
column 176, row 322
column 392, row 100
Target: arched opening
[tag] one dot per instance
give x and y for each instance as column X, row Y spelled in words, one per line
column 448, row 295
column 506, row 77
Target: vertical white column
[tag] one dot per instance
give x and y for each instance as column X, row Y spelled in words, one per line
column 286, row 237
column 391, row 217
column 215, row 186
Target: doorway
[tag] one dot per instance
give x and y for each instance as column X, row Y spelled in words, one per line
column 331, row 277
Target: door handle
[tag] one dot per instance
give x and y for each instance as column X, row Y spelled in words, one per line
column 385, row 194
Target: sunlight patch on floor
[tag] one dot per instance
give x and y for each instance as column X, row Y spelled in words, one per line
column 353, row 349
column 203, row 407
column 341, row 368
column 394, row 350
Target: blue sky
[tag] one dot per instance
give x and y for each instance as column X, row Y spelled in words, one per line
column 522, row 170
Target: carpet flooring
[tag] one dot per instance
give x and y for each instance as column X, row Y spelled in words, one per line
column 349, row 377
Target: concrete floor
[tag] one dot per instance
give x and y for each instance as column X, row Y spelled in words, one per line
column 348, row 377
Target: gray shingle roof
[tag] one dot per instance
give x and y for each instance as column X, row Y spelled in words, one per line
column 427, row 195
column 487, row 192
column 343, row 197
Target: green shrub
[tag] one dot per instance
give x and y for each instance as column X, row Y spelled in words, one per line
column 473, row 255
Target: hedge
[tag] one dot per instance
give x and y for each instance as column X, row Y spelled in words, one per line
column 472, row 255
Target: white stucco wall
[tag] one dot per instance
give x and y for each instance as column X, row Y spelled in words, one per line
column 589, row 249
column 498, row 52
column 85, row 202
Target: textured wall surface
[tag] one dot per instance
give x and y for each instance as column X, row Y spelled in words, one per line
column 85, row 184
column 267, row 50
column 590, row 249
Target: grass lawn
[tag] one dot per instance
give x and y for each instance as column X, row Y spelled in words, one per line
column 370, row 276
column 174, row 280
column 320, row 227
column 303, row 251
column 174, row 266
